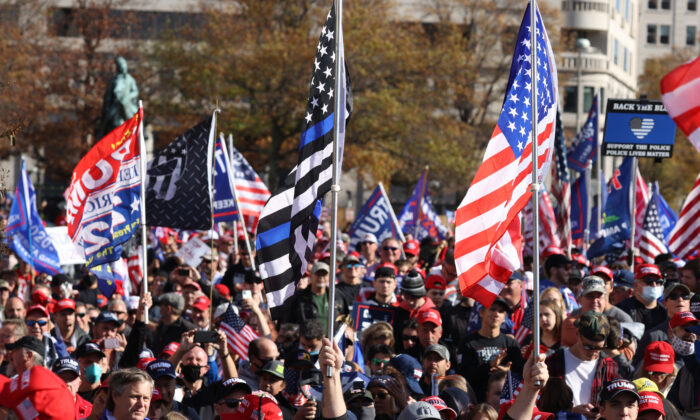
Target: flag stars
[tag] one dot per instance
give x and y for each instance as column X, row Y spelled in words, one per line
column 314, row 102
column 513, row 112
column 514, row 98
column 323, row 51
column 308, row 117
column 324, row 108
column 522, row 131
column 511, row 126
column 321, row 87
column 524, row 116
column 328, row 72
column 329, row 35
column 520, row 146
column 330, row 93
column 317, row 65
column 526, row 101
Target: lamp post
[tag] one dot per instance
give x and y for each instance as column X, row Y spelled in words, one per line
column 582, row 44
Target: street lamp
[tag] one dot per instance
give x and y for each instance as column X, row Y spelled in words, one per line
column 582, row 44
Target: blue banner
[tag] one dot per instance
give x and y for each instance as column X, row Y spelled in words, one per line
column 616, row 218
column 106, row 281
column 579, row 203
column 667, row 217
column 365, row 315
column 375, row 218
column 225, row 209
column 30, row 241
column 428, row 222
column 583, row 148
column 594, row 212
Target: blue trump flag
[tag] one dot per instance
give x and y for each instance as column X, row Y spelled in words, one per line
column 30, row 241
column 667, row 217
column 594, row 212
column 419, row 210
column 106, row 279
column 616, row 217
column 583, row 148
column 376, row 217
column 579, row 203
column 225, row 208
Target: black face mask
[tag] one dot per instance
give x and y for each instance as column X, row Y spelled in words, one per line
column 191, row 373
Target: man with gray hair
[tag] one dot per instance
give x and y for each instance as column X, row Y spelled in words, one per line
column 130, row 393
column 171, row 326
column 11, row 331
column 25, row 353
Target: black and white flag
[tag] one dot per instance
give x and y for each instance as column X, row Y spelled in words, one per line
column 178, row 187
column 287, row 227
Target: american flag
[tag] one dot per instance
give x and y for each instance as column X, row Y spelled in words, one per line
column 288, row 222
column 525, row 328
column 511, row 388
column 488, row 237
column 251, row 190
column 679, row 94
column 548, row 224
column 652, row 241
column 561, row 190
column 133, row 264
column 685, row 237
column 238, row 333
column 640, row 205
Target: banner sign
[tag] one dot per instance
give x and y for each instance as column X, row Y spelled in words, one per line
column 225, row 209
column 192, row 252
column 365, row 315
column 68, row 253
column 375, row 218
column 638, row 128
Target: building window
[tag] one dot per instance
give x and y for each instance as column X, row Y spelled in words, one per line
column 571, row 98
column 617, row 5
column 627, row 10
column 664, row 34
column 624, row 59
column 692, row 5
column 666, row 4
column 616, row 53
column 651, row 34
column 653, row 4
column 690, row 35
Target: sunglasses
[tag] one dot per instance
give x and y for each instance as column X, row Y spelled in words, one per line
column 379, row 362
column 41, row 322
column 231, row 402
column 591, row 348
column 390, row 248
column 413, row 338
column 649, row 282
column 676, row 296
column 80, row 314
column 354, row 265
column 658, row 374
column 380, row 395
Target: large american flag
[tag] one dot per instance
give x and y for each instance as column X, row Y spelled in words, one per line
column 679, row 90
column 251, row 190
column 488, row 237
column 288, row 223
column 561, row 189
column 652, row 243
column 238, row 333
column 640, row 204
column 685, row 237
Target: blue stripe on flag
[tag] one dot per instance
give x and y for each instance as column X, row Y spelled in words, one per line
column 273, row 236
column 317, row 131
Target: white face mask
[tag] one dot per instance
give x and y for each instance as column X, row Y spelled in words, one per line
column 682, row 347
column 651, row 293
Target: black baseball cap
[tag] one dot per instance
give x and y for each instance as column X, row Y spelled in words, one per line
column 86, row 349
column 28, row 342
column 613, row 388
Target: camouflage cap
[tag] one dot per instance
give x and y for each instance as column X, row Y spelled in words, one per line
column 593, row 325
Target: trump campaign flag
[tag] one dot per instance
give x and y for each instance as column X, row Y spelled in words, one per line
column 225, row 208
column 667, row 217
column 583, row 148
column 617, row 219
column 29, row 238
column 103, row 201
column 376, row 217
column 579, row 203
column 488, row 238
column 419, row 210
column 251, row 191
column 679, row 93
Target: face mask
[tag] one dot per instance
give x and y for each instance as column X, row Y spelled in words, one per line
column 93, row 373
column 651, row 293
column 682, row 347
column 191, row 373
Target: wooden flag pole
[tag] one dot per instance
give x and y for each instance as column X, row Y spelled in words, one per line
column 144, row 228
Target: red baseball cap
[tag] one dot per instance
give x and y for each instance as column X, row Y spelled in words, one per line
column 202, row 303
column 647, row 270
column 259, row 405
column 170, row 349
column 551, row 250
column 143, row 363
column 441, row 407
column 681, row 319
column 659, row 357
column 64, row 304
column 223, row 291
column 650, row 401
column 579, row 259
column 602, row 270
column 430, row 315
column 192, row 284
column 157, row 396
column 411, row 247
column 436, row 281
column 39, row 308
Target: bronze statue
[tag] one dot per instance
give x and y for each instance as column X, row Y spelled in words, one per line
column 120, row 101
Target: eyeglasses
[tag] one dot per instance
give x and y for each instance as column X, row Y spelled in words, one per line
column 80, row 314
column 390, row 248
column 41, row 322
column 354, row 265
column 231, row 402
column 591, row 348
column 379, row 362
column 380, row 395
column 676, row 296
column 413, row 338
column 649, row 282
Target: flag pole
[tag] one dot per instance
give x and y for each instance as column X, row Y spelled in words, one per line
column 25, row 192
column 393, row 215
column 235, row 227
column 142, row 163
column 211, row 165
column 589, row 199
column 420, row 202
column 633, row 211
column 339, row 113
column 535, row 184
column 598, row 166
column 232, row 182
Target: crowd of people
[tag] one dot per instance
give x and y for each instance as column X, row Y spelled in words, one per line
column 614, row 343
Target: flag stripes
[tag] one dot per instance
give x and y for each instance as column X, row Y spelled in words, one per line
column 685, row 237
column 679, row 94
column 238, row 333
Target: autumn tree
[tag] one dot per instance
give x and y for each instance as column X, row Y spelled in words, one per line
column 677, row 175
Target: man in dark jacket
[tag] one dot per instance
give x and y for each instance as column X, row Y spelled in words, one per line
column 352, row 272
column 171, row 325
column 312, row 302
